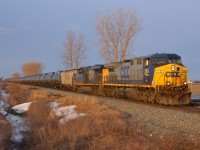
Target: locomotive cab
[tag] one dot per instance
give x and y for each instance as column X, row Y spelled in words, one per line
column 168, row 70
column 170, row 78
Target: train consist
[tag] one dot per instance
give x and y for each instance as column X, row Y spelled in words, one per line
column 157, row 78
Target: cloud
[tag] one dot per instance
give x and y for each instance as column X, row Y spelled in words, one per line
column 6, row 29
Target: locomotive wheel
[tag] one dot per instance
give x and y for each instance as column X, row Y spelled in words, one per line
column 186, row 98
column 114, row 93
column 75, row 88
column 109, row 91
column 95, row 90
column 146, row 94
column 104, row 91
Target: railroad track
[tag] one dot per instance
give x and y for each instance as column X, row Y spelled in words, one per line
column 193, row 107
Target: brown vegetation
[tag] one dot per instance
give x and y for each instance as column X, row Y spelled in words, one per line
column 5, row 134
column 15, row 75
column 39, row 95
column 101, row 127
column 17, row 94
column 32, row 68
column 3, row 85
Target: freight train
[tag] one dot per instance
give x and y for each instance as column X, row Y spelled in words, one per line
column 158, row 78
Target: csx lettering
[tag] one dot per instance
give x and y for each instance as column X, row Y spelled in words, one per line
column 124, row 71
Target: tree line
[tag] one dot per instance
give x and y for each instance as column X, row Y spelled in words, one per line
column 28, row 69
column 116, row 31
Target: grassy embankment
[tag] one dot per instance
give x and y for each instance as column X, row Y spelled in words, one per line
column 101, row 127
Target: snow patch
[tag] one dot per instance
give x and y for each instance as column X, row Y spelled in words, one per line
column 21, row 108
column 3, row 105
column 18, row 126
column 3, row 101
column 70, row 117
column 54, row 105
column 66, row 112
column 3, row 112
column 4, row 93
column 18, row 123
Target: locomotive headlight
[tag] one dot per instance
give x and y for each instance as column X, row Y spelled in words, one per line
column 185, row 83
column 168, row 83
column 172, row 67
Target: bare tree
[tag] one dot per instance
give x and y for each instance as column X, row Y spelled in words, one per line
column 73, row 55
column 117, row 31
column 15, row 75
column 32, row 68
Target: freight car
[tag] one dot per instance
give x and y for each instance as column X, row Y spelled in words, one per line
column 156, row 78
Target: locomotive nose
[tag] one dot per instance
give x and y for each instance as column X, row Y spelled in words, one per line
column 171, row 74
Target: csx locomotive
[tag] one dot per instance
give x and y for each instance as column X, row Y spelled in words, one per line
column 157, row 78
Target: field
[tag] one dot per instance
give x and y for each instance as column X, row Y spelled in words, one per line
column 195, row 89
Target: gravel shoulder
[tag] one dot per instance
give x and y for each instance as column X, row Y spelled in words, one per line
column 153, row 119
column 159, row 120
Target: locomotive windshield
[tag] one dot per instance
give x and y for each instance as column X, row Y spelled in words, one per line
column 162, row 60
column 159, row 60
column 175, row 60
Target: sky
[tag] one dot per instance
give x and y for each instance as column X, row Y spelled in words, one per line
column 36, row 30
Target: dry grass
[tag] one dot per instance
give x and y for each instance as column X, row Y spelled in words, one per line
column 45, row 132
column 17, row 94
column 43, row 126
column 5, row 134
column 101, row 128
column 39, row 95
column 84, row 104
column 3, row 85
